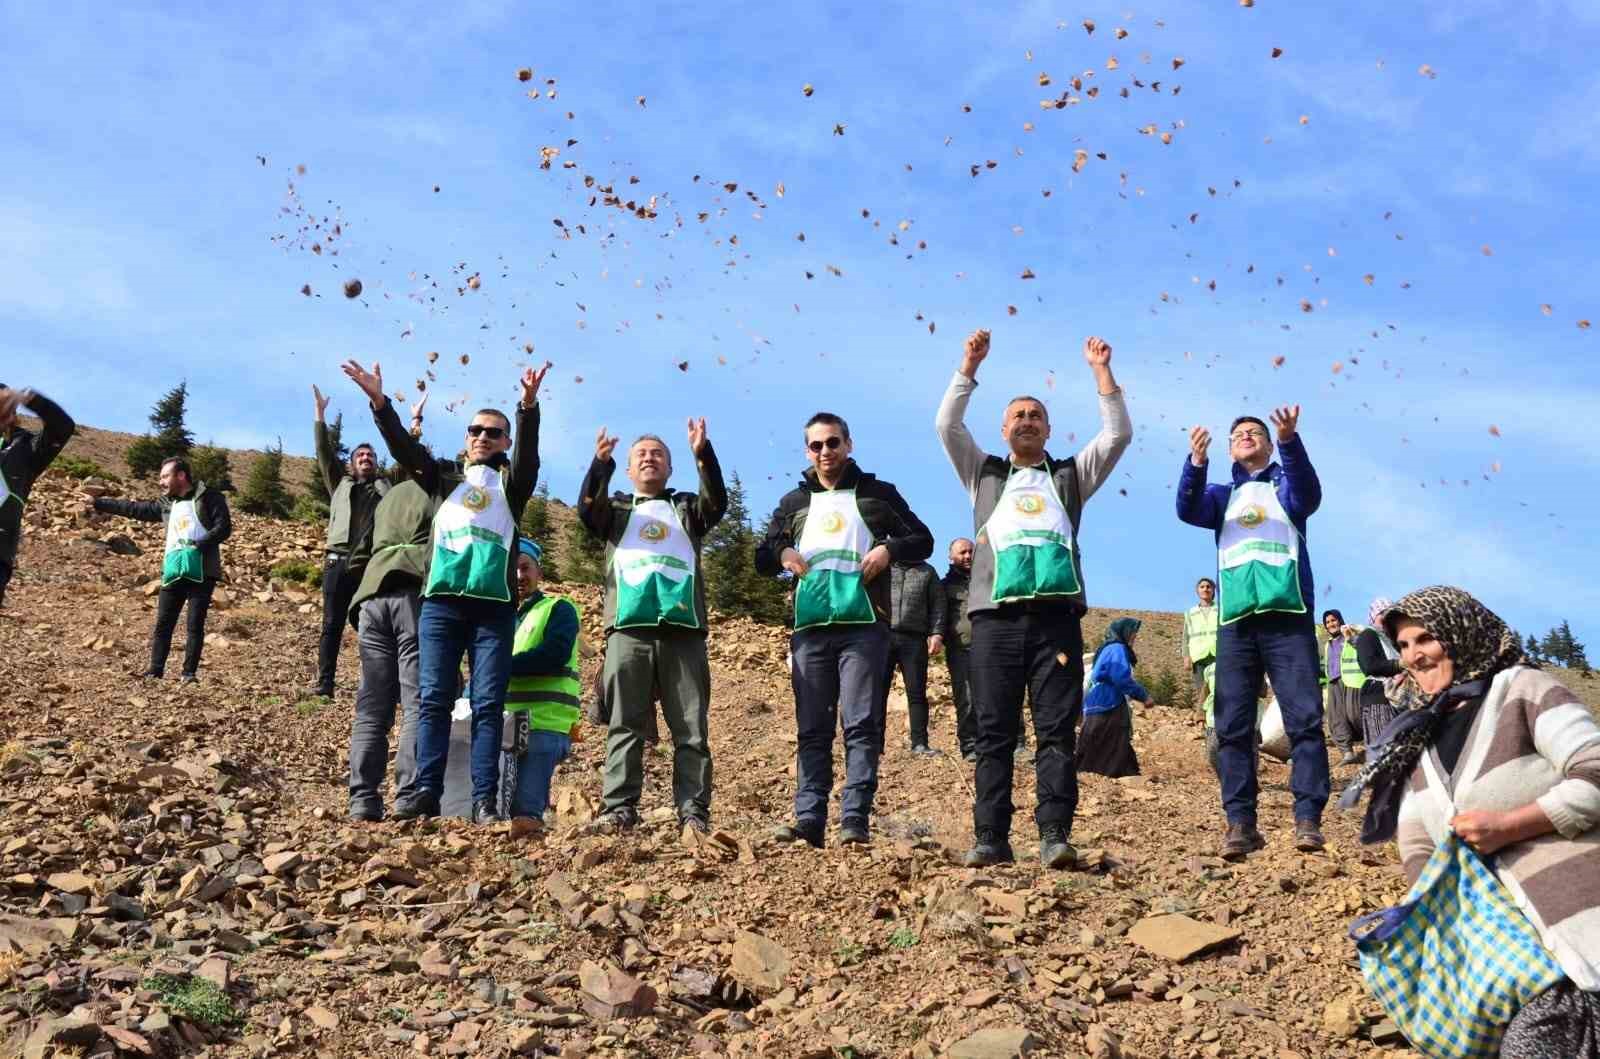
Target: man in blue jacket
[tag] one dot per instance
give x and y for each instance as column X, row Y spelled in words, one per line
column 1265, row 598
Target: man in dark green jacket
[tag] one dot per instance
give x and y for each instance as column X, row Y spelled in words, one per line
column 198, row 522
column 469, row 597
column 353, row 492
column 23, row 457
column 837, row 532
column 655, row 619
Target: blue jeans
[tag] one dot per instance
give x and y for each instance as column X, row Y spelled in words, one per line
column 1283, row 647
column 838, row 676
column 451, row 627
column 537, row 765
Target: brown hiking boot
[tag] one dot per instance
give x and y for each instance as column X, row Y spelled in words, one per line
column 1241, row 841
column 1308, row 836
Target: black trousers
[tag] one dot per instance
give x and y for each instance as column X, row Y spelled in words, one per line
column 1033, row 650
column 338, row 590
column 197, row 594
column 909, row 651
column 5, row 579
column 960, row 662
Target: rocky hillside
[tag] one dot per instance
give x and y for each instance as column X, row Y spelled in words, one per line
column 177, row 875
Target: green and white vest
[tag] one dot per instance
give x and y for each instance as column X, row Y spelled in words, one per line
column 473, row 534
column 1032, row 540
column 550, row 702
column 1258, row 556
column 183, row 560
column 654, row 565
column 1200, row 632
column 833, row 543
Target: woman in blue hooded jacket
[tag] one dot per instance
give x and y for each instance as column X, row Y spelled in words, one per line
column 1105, row 745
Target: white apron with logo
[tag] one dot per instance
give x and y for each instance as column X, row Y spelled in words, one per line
column 833, row 544
column 1258, row 556
column 654, row 565
column 183, row 560
column 1032, row 540
column 473, row 535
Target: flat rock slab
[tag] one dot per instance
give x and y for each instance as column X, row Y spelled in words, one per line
column 996, row 1042
column 1177, row 937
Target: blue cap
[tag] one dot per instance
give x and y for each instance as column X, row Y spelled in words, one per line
column 531, row 549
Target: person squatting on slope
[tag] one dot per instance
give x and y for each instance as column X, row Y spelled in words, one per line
column 468, row 599
column 1506, row 758
column 916, row 632
column 655, row 619
column 1027, row 596
column 198, row 522
column 958, row 644
column 542, row 699
column 23, row 457
column 1105, row 745
column 1265, row 625
column 837, row 532
column 354, row 489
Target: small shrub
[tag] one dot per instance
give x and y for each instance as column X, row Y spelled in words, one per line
column 209, row 464
column 80, row 468
column 302, row 571
column 849, row 953
column 143, row 456
column 194, row 999
column 308, row 508
column 903, row 938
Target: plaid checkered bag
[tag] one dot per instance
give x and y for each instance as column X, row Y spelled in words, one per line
column 1455, row 961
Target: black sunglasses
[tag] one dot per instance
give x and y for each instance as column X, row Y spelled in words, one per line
column 830, row 443
column 492, row 433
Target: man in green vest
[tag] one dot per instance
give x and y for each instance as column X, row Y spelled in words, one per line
column 198, row 522
column 354, row 490
column 655, row 619
column 542, row 699
column 23, row 457
column 1027, row 597
column 468, row 599
column 1200, row 631
column 836, row 533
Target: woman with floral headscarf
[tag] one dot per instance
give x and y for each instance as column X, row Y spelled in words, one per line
column 1379, row 661
column 1105, row 745
column 1508, row 759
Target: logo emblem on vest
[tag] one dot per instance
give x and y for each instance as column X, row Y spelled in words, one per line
column 475, row 499
column 833, row 522
column 183, row 524
column 1252, row 516
column 653, row 531
column 1030, row 505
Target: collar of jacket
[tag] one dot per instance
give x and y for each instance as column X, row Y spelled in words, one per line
column 955, row 573
column 1266, row 474
column 535, row 597
column 633, row 499
column 851, row 478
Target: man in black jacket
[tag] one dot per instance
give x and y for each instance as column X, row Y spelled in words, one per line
column 958, row 643
column 198, row 522
column 353, row 494
column 916, row 630
column 23, row 457
column 837, row 532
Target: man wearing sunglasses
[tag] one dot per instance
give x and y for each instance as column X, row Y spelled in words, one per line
column 655, row 619
column 837, row 532
column 469, row 597
column 1265, row 622
column 1026, row 596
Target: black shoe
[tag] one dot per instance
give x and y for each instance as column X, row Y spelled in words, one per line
column 484, row 813
column 415, row 809
column 992, row 848
column 853, row 833
column 799, row 831
column 694, row 822
column 324, row 691
column 612, row 821
column 1054, row 849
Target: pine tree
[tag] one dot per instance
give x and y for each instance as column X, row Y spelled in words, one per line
column 1551, row 647
column 316, row 487
column 536, row 526
column 146, row 454
column 210, row 465
column 727, row 559
column 264, row 492
column 1531, row 648
column 583, row 558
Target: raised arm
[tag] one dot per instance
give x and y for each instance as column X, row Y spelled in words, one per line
column 1305, row 490
column 594, row 496
column 1099, row 458
column 404, row 449
column 327, row 459
column 58, row 428
column 525, row 443
column 1196, row 504
column 712, row 502
column 950, row 421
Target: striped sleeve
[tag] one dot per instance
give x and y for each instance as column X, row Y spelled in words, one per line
column 1566, row 735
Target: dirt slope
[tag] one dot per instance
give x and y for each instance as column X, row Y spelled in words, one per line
column 198, row 833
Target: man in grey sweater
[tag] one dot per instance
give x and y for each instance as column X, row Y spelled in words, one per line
column 1027, row 597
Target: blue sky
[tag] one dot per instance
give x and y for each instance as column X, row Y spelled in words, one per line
column 148, row 243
